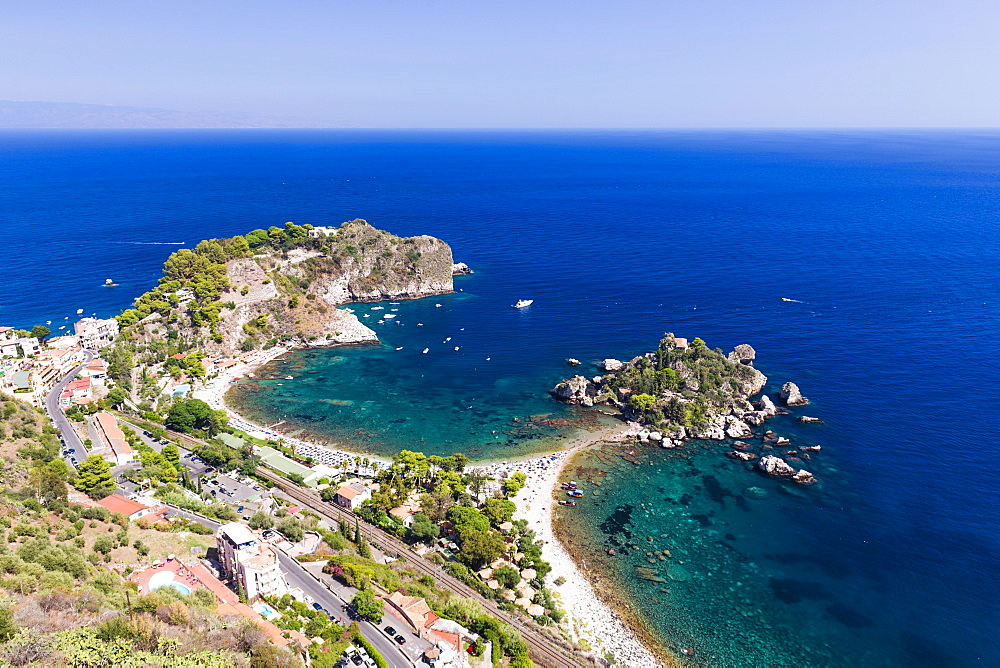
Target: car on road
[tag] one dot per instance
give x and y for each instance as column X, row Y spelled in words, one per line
column 391, row 631
column 240, row 509
column 210, row 469
column 400, row 640
column 71, row 450
column 187, row 456
column 317, row 606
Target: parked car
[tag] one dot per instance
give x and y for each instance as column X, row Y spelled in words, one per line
column 356, row 659
column 213, row 492
column 400, row 640
column 210, row 469
column 391, row 631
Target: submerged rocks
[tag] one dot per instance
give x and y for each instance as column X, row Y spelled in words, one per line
column 612, row 365
column 791, row 395
column 574, row 391
column 741, row 455
column 775, row 466
column 805, row 419
column 755, row 493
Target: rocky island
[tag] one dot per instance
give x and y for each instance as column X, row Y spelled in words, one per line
column 682, row 391
column 688, row 391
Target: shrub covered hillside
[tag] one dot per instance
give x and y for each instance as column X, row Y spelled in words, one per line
column 249, row 292
column 684, row 391
column 63, row 598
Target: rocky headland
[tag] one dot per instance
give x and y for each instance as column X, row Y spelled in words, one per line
column 250, row 292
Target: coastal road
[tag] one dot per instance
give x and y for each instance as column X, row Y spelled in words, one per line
column 59, row 418
column 297, row 576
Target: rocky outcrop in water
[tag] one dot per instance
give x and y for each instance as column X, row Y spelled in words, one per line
column 743, row 353
column 460, row 269
column 611, row 365
column 574, row 391
column 791, row 395
column 775, row 466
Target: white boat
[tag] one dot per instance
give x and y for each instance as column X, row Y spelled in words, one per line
column 426, row 349
column 108, row 283
column 521, row 303
column 289, row 377
column 456, row 347
column 438, row 305
column 389, row 315
column 367, row 315
column 378, row 308
column 79, row 311
column 399, row 348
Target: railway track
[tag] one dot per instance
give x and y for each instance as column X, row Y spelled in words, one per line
column 544, row 650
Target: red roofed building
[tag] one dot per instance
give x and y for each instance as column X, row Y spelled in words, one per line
column 117, row 503
column 107, row 428
column 178, row 356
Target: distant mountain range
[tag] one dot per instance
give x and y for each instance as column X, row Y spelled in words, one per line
column 73, row 115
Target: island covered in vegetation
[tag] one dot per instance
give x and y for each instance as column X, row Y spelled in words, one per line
column 681, row 390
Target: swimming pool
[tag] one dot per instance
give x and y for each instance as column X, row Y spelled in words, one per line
column 166, row 579
column 184, row 589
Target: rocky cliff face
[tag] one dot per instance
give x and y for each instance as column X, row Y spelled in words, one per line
column 294, row 293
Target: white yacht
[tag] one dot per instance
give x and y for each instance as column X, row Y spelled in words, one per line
column 521, row 303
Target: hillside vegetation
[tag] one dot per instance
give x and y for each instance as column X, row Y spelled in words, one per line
column 62, row 592
column 228, row 296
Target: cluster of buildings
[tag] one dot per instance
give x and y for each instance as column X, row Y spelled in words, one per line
column 28, row 370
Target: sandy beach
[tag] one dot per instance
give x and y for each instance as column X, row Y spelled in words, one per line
column 589, row 617
column 214, row 391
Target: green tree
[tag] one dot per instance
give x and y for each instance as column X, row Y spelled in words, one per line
column 514, row 484
column 291, row 529
column 94, row 477
column 507, row 576
column 261, row 520
column 424, row 529
column 368, row 606
column 479, row 548
column 40, row 332
column 642, row 402
column 499, row 510
column 172, row 455
column 104, row 545
column 116, row 397
column 7, row 626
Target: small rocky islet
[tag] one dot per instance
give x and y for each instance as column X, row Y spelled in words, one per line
column 685, row 391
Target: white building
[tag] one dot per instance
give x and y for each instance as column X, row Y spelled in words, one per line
column 95, row 333
column 318, row 232
column 249, row 561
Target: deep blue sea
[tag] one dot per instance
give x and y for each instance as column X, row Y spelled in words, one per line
column 888, row 240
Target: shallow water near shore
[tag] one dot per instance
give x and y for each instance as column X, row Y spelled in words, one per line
column 886, row 241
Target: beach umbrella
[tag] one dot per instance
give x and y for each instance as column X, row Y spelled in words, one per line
column 528, row 574
column 493, row 584
column 523, row 602
column 536, row 610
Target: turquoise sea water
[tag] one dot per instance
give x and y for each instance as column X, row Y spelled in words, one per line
column 888, row 240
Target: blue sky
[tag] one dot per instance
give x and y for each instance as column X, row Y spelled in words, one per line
column 444, row 63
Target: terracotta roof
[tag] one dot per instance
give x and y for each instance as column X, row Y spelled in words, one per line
column 117, row 503
column 178, row 356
